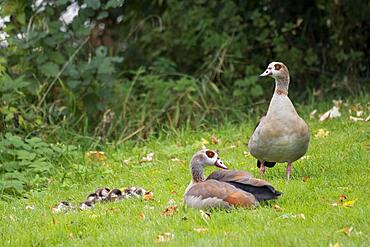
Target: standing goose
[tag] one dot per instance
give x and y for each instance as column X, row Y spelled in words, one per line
column 224, row 188
column 282, row 135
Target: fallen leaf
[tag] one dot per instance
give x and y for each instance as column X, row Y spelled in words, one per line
column 171, row 210
column 164, row 237
column 93, row 216
column 306, row 157
column 214, row 140
column 96, row 156
column 205, row 215
column 334, row 245
column 173, row 192
column 200, row 230
column 30, row 207
column 356, row 119
column 277, row 207
column 177, row 160
column 287, row 216
column 126, row 162
column 70, row 236
column 204, row 141
column 54, row 221
column 313, row 114
column 148, row 158
column 142, row 216
column 348, row 204
column 321, row 133
column 367, row 146
column 306, row 178
column 171, row 202
column 332, row 113
column 148, row 196
column 346, row 230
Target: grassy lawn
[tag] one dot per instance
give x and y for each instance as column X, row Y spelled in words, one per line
column 334, row 165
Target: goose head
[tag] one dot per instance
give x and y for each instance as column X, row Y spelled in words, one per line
column 207, row 157
column 276, row 70
column 202, row 159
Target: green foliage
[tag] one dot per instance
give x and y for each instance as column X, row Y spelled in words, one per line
column 171, row 63
column 26, row 164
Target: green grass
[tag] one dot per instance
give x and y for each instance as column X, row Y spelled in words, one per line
column 337, row 164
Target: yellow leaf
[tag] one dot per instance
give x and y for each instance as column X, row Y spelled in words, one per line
column 200, row 230
column 349, row 203
column 334, row 245
column 171, row 210
column 204, row 141
column 321, row 133
column 148, row 196
column 142, row 216
column 214, row 140
column 277, row 207
column 346, row 230
column 205, row 215
column 164, row 237
column 95, row 156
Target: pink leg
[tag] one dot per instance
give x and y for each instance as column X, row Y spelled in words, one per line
column 288, row 170
column 262, row 167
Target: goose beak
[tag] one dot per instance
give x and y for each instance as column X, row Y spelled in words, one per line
column 266, row 73
column 220, row 164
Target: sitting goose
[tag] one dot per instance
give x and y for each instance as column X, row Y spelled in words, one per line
column 281, row 135
column 224, row 188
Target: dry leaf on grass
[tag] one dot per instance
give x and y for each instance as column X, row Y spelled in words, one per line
column 356, row 119
column 171, row 210
column 164, row 237
column 200, row 229
column 348, row 204
column 343, row 202
column 142, row 216
column 277, row 208
column 204, row 141
column 346, row 230
column 30, row 207
column 321, row 133
column 334, row 245
column 306, row 178
column 294, row 216
column 171, row 202
column 332, row 113
column 148, row 196
column 95, row 156
column 205, row 215
column 148, row 158
column 313, row 114
column 214, row 140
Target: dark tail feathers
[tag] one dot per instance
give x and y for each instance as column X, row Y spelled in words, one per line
column 266, row 192
column 267, row 164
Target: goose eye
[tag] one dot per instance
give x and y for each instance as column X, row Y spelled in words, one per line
column 210, row 154
column 277, row 66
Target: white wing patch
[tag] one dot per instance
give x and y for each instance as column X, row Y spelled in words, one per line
column 211, row 202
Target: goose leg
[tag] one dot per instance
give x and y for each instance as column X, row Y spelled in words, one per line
column 288, row 170
column 262, row 167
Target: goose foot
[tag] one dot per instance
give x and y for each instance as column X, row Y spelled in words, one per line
column 262, row 168
column 288, row 170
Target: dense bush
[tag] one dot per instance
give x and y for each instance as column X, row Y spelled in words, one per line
column 128, row 67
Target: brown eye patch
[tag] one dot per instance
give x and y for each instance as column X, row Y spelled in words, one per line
column 277, row 66
column 210, row 154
